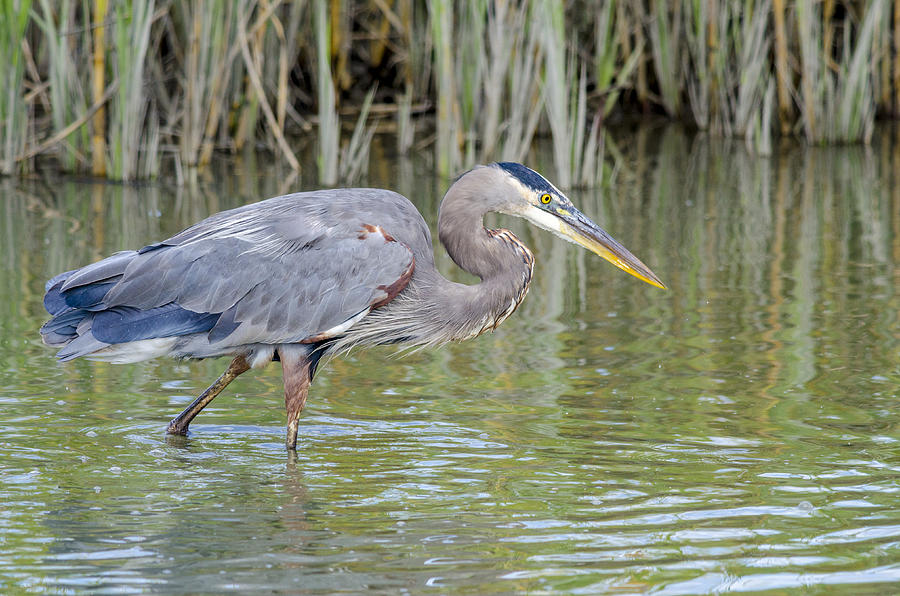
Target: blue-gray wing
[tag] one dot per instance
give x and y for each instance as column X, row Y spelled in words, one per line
column 287, row 270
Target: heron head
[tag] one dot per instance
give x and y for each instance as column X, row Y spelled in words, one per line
column 544, row 205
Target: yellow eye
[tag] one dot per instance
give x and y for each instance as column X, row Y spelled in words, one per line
column 546, row 198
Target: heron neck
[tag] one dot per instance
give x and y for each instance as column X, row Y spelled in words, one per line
column 502, row 262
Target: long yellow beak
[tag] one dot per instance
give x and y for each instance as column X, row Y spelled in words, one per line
column 578, row 227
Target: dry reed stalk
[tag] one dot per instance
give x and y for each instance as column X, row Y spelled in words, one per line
column 525, row 100
column 556, row 87
column 66, row 101
column 226, row 74
column 406, row 31
column 810, row 69
column 712, row 58
column 405, row 126
column 751, row 74
column 884, row 78
column 378, row 44
column 852, row 117
column 896, row 77
column 249, row 110
column 642, row 86
column 782, row 73
column 355, row 156
column 471, row 65
column 828, row 34
column 128, row 107
column 39, row 91
column 282, row 94
column 340, row 45
column 497, row 63
column 73, row 126
column 221, row 79
column 253, row 75
column 98, row 83
column 209, row 26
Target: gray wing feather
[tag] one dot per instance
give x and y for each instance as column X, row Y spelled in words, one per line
column 280, row 271
column 109, row 267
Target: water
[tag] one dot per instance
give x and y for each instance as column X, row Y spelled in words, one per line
column 736, row 433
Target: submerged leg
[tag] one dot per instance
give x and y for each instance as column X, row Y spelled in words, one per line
column 295, row 368
column 179, row 424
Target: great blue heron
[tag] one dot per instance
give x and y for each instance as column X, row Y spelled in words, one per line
column 301, row 276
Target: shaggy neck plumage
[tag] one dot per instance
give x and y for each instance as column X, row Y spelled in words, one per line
column 432, row 309
column 497, row 257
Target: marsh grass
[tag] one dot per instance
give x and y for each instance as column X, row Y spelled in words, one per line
column 355, row 154
column 575, row 146
column 208, row 28
column 729, row 87
column 525, row 97
column 667, row 46
column 615, row 61
column 14, row 120
column 118, row 84
column 406, row 131
column 129, row 129
column 68, row 99
column 448, row 157
column 837, row 99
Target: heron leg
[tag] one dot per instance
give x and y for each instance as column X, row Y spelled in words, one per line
column 179, row 424
column 295, row 368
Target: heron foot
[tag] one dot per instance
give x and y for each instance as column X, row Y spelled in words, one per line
column 177, row 426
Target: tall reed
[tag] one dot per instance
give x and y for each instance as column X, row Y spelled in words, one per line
column 565, row 90
column 838, row 106
column 853, row 111
column 448, row 157
column 500, row 42
column 728, row 79
column 67, row 89
column 14, row 118
column 98, row 84
column 754, row 81
column 525, row 97
column 614, row 63
column 471, row 51
column 406, row 132
column 208, row 28
column 253, row 60
column 667, row 47
column 557, row 78
column 129, row 107
column 355, row 154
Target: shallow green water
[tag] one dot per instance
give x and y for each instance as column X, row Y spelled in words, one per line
column 736, row 433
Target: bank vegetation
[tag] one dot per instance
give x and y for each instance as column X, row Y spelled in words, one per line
column 127, row 89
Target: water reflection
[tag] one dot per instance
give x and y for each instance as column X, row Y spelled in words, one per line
column 739, row 432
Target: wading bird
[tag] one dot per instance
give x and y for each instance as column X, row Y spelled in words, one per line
column 302, row 276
